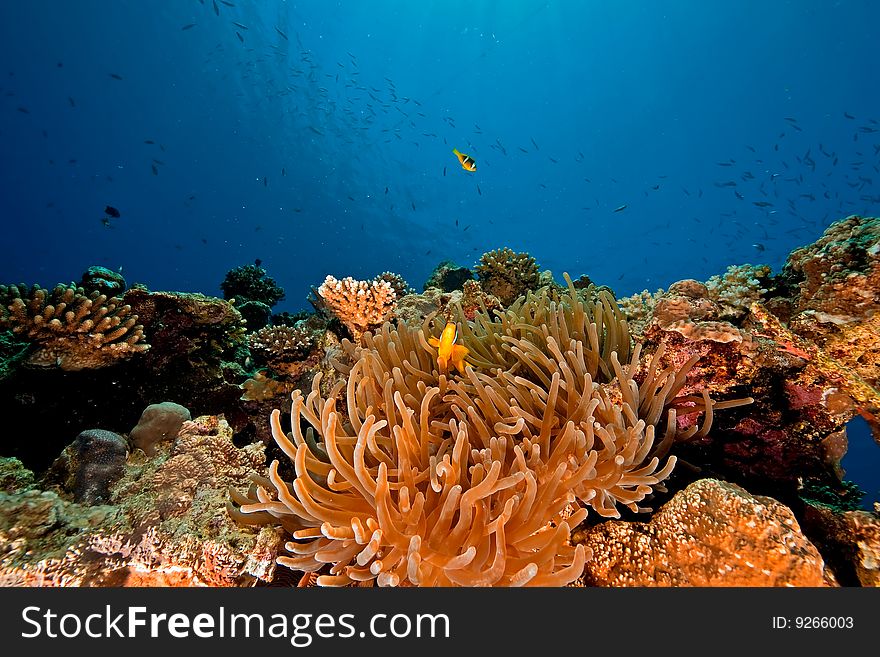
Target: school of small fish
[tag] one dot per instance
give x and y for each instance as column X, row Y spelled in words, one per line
column 337, row 104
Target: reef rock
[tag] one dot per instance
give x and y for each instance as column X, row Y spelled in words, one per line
column 837, row 308
column 448, row 276
column 710, row 534
column 165, row 524
column 849, row 539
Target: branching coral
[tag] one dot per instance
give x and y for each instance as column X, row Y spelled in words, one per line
column 69, row 328
column 278, row 345
column 360, row 305
column 477, row 480
column 399, row 285
column 737, row 289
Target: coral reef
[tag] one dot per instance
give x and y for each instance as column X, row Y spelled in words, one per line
column 736, row 290
column 165, row 523
column 288, row 350
column 14, row 476
column 710, row 534
column 639, row 310
column 475, row 480
column 280, row 343
column 563, row 452
column 70, row 329
column 102, row 280
column 191, row 326
column 13, row 353
column 803, row 343
column 448, row 276
column 90, row 465
column 849, row 539
column 398, row 284
column 413, row 309
column 359, row 305
column 158, row 422
column 473, row 299
column 508, row 275
column 253, row 292
column 837, row 306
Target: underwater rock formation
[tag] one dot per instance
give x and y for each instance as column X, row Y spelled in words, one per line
column 836, row 308
column 710, row 534
column 165, row 523
column 448, row 276
column 184, row 325
column 804, row 343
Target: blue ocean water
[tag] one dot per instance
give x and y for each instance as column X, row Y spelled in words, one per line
column 317, row 136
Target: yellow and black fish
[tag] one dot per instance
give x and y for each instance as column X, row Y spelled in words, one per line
column 467, row 162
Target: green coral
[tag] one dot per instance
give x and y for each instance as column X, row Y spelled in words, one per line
column 251, row 283
column 13, row 352
column 847, row 496
column 14, row 477
column 508, row 275
column 253, row 292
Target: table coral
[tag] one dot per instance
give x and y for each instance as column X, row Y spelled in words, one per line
column 70, row 329
column 710, row 534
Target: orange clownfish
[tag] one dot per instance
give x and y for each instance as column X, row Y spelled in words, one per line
column 467, row 162
column 447, row 351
